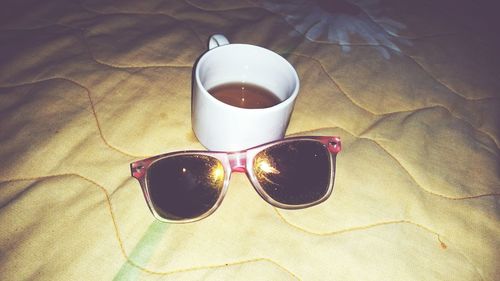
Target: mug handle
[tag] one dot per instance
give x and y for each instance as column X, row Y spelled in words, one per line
column 217, row 40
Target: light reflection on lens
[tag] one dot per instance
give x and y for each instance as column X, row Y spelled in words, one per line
column 217, row 175
column 296, row 172
column 264, row 167
column 185, row 186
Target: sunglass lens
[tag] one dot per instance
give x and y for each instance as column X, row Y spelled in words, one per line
column 185, row 186
column 294, row 173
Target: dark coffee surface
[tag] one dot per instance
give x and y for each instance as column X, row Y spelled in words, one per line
column 244, row 95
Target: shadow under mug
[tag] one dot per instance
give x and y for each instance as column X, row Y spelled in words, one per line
column 223, row 127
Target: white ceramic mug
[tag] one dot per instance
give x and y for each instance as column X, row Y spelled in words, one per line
column 223, row 127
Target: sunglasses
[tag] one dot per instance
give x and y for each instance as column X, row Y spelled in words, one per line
column 187, row 186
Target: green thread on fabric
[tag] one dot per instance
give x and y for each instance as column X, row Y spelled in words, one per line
column 142, row 251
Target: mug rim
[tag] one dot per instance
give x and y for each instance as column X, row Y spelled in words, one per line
column 290, row 99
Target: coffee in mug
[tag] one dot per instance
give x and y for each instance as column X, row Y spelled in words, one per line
column 244, row 95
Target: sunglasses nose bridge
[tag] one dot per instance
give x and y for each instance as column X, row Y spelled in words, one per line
column 237, row 161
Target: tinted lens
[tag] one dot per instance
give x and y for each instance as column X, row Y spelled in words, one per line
column 185, row 186
column 294, row 173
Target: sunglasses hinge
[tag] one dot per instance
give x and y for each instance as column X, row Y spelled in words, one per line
column 138, row 169
column 334, row 145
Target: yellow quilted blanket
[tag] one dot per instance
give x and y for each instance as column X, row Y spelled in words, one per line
column 412, row 87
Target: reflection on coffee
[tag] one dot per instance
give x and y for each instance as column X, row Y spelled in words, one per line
column 244, row 95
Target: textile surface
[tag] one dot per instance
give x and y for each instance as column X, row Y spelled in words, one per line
column 411, row 87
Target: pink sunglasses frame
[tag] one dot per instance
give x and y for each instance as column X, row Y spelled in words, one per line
column 239, row 161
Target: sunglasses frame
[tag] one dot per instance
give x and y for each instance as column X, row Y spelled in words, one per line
column 238, row 161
